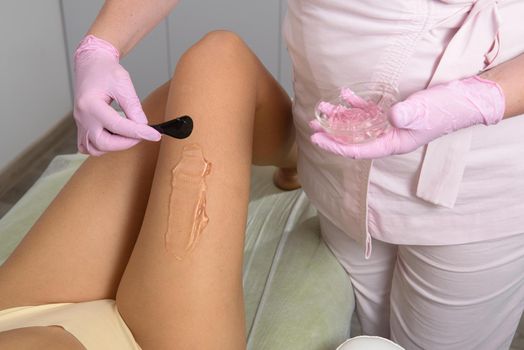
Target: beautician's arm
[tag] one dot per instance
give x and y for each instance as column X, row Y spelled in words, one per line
column 510, row 77
column 101, row 79
column 124, row 23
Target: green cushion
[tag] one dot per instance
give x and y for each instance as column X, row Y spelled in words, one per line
column 17, row 222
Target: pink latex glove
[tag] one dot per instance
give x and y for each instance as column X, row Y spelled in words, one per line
column 100, row 79
column 425, row 116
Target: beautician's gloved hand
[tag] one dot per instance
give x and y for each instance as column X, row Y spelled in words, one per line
column 99, row 79
column 425, row 116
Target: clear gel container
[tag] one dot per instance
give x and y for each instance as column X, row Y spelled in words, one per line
column 357, row 113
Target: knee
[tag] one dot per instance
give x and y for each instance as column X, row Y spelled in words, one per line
column 220, row 42
column 219, row 45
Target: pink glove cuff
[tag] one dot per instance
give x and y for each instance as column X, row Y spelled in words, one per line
column 491, row 96
column 92, row 43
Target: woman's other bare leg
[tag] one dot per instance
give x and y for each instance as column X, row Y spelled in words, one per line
column 79, row 247
column 41, row 338
column 182, row 288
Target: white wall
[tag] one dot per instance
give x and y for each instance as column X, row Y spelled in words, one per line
column 34, row 82
column 285, row 72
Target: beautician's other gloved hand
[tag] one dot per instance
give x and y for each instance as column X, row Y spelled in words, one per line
column 425, row 116
column 100, row 79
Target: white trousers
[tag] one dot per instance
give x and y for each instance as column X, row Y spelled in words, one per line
column 468, row 296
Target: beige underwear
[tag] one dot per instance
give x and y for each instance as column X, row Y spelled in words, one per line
column 96, row 324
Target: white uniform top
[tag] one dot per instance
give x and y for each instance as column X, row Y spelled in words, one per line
column 464, row 187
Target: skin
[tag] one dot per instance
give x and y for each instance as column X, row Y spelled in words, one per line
column 30, row 338
column 103, row 235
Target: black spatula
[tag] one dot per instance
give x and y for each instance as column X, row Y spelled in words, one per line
column 179, row 128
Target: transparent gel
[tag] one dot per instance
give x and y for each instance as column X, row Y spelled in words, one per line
column 357, row 113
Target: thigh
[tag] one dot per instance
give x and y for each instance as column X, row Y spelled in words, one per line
column 78, row 248
column 463, row 297
column 182, row 287
column 370, row 278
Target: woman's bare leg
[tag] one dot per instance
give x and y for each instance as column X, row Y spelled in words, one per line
column 41, row 338
column 78, row 248
column 182, row 288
